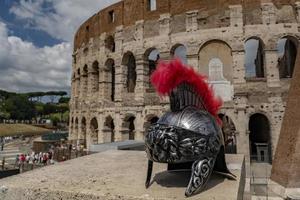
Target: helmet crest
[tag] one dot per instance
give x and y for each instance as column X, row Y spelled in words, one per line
column 185, row 87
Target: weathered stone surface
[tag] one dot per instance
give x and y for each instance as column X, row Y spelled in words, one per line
column 116, row 175
column 286, row 166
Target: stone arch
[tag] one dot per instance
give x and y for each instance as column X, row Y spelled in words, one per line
column 84, row 80
column 110, row 43
column 216, row 49
column 76, row 127
column 95, row 77
column 109, row 130
column 77, row 88
column 229, row 134
column 179, row 51
column 260, row 138
column 94, row 130
column 129, row 125
column 83, row 132
column 131, row 75
column 254, row 58
column 151, row 58
column 149, row 120
column 287, row 52
column 110, row 79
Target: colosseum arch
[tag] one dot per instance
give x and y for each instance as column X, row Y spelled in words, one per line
column 149, row 120
column 83, row 131
column 287, row 52
column 76, row 132
column 151, row 58
column 254, row 58
column 77, row 89
column 109, row 79
column 129, row 124
column 84, row 80
column 260, row 138
column 109, row 130
column 179, row 51
column 229, row 134
column 94, row 131
column 131, row 75
column 216, row 49
column 95, row 77
column 110, row 43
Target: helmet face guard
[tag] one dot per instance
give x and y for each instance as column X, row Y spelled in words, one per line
column 189, row 133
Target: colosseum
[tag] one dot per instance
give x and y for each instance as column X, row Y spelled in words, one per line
column 247, row 48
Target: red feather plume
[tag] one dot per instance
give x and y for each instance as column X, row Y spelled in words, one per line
column 169, row 75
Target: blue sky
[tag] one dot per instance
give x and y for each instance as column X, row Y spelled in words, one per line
column 18, row 27
column 36, row 38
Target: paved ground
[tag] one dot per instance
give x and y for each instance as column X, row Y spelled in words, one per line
column 114, row 175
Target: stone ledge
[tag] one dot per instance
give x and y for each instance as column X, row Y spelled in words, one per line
column 116, row 175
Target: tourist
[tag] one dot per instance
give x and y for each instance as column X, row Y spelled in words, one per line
column 17, row 160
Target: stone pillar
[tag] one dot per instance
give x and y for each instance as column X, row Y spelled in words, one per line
column 191, row 21
column 271, row 68
column 139, row 127
column 297, row 7
column 239, row 71
column 268, row 13
column 77, row 88
column 120, row 79
column 84, row 85
column 242, row 129
column 236, row 15
column 140, row 87
column 100, row 121
column 118, row 127
column 164, row 24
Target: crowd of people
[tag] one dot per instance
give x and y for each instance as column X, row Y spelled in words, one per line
column 32, row 159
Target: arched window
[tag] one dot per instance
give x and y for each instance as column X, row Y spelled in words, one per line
column 151, row 59
column 130, row 125
column 110, row 43
column 179, row 51
column 84, row 80
column 76, row 129
column 94, row 130
column 260, row 138
column 109, row 130
column 216, row 51
column 110, row 79
column 129, row 62
column 83, row 131
column 287, row 53
column 151, row 5
column 78, row 82
column 254, row 58
column 95, row 77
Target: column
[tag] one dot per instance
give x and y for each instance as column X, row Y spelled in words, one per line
column 191, row 21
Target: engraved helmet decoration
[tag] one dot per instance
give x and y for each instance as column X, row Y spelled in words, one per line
column 189, row 135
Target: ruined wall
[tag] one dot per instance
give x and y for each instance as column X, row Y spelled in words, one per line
column 212, row 14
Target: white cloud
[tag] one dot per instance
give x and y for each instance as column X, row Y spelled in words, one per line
column 25, row 67
column 59, row 18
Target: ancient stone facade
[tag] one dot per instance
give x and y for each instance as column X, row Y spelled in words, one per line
column 247, row 47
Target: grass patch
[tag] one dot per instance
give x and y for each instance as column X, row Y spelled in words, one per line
column 21, row 129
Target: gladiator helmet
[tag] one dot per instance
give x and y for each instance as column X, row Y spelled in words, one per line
column 189, row 135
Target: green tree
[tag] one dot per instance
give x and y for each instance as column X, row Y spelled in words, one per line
column 19, row 107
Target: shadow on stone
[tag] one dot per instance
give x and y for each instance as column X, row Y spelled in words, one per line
column 181, row 179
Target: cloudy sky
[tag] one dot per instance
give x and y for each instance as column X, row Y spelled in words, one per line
column 36, row 41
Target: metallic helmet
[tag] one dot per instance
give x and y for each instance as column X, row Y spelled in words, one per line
column 188, row 135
